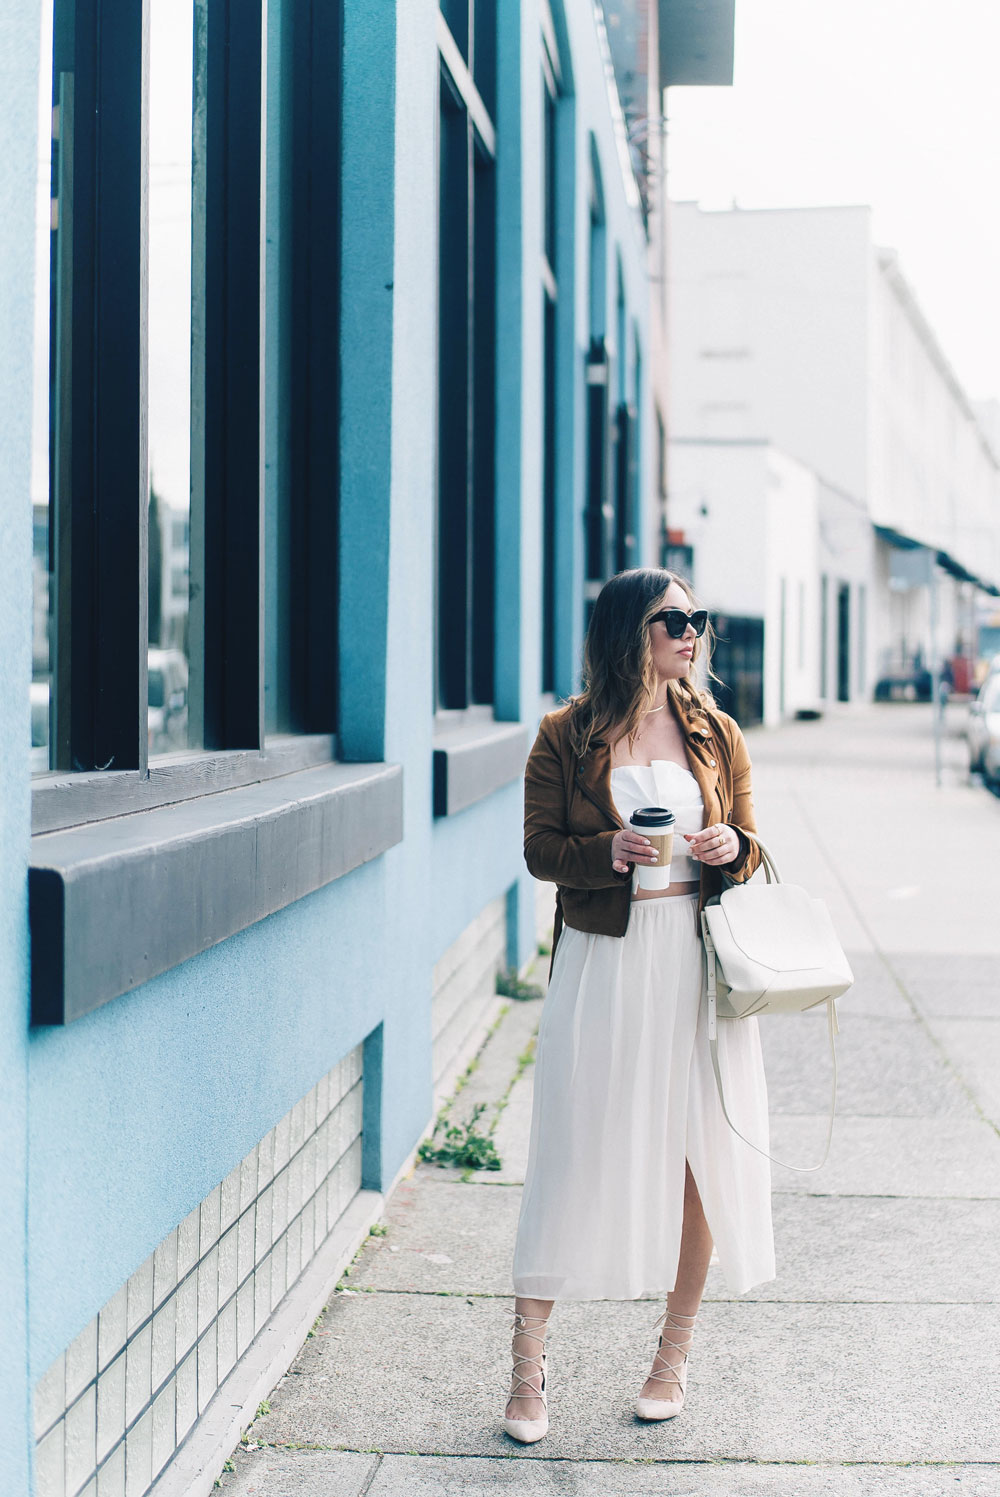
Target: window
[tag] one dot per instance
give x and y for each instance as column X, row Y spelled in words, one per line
column 550, row 292
column 597, row 512
column 148, row 547
column 174, row 65
column 96, row 674
column 465, row 585
column 626, row 463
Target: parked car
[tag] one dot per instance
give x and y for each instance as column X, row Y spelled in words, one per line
column 168, row 701
column 983, row 730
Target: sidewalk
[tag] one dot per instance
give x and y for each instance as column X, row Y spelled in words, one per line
column 870, row 1365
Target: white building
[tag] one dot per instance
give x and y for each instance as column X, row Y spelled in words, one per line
column 790, row 328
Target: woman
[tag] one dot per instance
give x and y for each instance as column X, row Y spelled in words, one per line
column 632, row 1168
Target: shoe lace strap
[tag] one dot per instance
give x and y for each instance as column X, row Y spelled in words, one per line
column 536, row 1362
column 672, row 1320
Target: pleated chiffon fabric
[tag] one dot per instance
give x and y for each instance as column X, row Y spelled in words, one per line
column 624, row 1092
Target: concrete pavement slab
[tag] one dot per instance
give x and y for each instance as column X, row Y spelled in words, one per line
column 451, row 1238
column 955, row 986
column 876, row 994
column 444, row 1237
column 434, row 1476
column 855, row 1249
column 497, row 1061
column 955, row 1154
column 297, row 1473
column 770, row 1382
column 511, row 1135
column 886, row 1068
column 945, row 910
column 947, row 1157
column 973, row 1047
column 801, row 859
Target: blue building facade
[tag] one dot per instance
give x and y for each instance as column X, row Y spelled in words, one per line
column 319, row 429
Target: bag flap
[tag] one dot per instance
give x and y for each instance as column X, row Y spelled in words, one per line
column 779, row 926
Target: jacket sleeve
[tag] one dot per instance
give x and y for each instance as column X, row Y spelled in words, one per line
column 742, row 818
column 551, row 853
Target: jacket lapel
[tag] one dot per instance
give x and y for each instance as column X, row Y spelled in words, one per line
column 593, row 778
column 702, row 754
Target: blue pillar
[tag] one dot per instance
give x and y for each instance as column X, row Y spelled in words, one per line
column 20, row 72
column 367, row 239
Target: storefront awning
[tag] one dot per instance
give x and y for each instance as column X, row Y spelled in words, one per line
column 944, row 559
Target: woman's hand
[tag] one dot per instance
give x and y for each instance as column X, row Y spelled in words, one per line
column 631, row 847
column 717, row 845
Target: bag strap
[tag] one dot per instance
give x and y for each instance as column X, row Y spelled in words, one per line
column 713, row 1042
column 770, row 867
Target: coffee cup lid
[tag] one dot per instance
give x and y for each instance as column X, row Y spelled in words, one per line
column 652, row 816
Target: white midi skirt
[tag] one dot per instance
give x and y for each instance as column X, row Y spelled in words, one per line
column 624, row 1093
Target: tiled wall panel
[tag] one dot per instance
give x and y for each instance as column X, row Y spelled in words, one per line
column 114, row 1407
column 464, row 983
column 545, row 909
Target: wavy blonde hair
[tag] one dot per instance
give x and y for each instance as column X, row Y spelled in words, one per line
column 619, row 678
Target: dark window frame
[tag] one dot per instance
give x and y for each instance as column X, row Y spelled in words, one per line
column 473, row 753
column 465, row 542
column 598, row 513
column 550, row 94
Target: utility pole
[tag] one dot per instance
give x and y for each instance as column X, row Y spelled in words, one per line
column 935, row 664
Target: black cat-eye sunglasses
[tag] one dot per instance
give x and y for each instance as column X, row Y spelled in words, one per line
column 675, row 621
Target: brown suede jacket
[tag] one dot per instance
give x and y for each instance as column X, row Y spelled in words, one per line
column 570, row 818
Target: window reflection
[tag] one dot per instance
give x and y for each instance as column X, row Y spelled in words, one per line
column 171, row 70
column 53, row 200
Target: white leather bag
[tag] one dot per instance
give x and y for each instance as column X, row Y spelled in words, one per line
column 771, row 949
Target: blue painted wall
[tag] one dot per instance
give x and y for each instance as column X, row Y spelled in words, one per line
column 138, row 1110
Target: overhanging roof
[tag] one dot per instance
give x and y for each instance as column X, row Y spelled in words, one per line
column 696, row 41
column 944, row 559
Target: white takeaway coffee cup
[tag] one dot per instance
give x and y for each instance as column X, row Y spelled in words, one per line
column 656, row 823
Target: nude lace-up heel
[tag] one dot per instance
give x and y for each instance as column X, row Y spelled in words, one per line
column 527, row 1431
column 676, row 1335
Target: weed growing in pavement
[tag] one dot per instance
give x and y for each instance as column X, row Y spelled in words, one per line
column 509, row 985
column 263, row 1407
column 463, row 1146
column 312, row 1329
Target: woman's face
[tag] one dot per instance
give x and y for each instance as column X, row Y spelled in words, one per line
column 672, row 657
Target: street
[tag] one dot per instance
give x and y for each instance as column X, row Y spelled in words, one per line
column 870, row 1365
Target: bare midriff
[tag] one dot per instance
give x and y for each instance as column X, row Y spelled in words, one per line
column 691, row 888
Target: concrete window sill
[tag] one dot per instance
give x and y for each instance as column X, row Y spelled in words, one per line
column 115, row 902
column 472, row 759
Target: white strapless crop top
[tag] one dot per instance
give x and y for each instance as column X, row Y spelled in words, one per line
column 663, row 783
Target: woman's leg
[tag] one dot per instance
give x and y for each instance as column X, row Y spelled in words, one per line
column 685, row 1297
column 527, row 1349
column 695, row 1253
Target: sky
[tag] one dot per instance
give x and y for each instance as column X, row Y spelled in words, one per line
column 892, row 103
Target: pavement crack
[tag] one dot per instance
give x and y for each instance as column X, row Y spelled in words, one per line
column 363, row 1490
